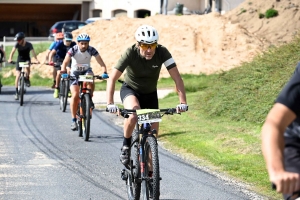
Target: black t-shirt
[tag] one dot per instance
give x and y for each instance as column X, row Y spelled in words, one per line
column 290, row 97
column 24, row 51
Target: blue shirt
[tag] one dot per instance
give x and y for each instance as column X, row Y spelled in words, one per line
column 61, row 50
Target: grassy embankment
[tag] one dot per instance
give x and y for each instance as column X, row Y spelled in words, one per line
column 226, row 112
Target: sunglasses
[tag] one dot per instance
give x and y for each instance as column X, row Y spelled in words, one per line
column 68, row 40
column 147, row 46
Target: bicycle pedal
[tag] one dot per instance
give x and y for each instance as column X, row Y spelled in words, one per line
column 124, row 175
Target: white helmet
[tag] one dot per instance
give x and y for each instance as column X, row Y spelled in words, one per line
column 146, row 34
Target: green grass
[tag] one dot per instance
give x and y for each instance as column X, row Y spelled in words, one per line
column 226, row 112
column 36, row 80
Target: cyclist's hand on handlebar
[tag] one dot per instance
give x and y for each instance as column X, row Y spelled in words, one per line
column 182, row 107
column 286, row 182
column 51, row 63
column 112, row 108
column 64, row 75
column 63, row 72
column 104, row 75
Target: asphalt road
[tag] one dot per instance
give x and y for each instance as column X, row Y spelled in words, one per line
column 41, row 158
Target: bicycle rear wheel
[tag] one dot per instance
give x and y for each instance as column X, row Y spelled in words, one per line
column 21, row 92
column 134, row 180
column 150, row 187
column 86, row 120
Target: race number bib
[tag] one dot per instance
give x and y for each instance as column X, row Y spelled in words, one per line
column 86, row 78
column 148, row 115
column 82, row 67
column 23, row 64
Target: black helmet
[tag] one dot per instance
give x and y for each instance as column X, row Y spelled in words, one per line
column 19, row 36
column 68, row 36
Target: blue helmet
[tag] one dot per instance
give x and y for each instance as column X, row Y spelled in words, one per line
column 83, row 37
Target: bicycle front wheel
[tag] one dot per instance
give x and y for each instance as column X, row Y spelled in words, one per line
column 150, row 187
column 134, row 179
column 79, row 120
column 64, row 94
column 86, row 120
column 21, row 92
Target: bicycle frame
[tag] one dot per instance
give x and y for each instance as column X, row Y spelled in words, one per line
column 84, row 112
column 135, row 173
column 21, row 81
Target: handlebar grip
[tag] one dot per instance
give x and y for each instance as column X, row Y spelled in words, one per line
column 273, row 186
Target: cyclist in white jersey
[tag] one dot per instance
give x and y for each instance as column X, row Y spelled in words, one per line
column 81, row 55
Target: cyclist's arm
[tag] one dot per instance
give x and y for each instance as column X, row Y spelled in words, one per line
column 51, row 54
column 47, row 56
column 34, row 55
column 174, row 73
column 110, row 87
column 101, row 63
column 273, row 129
column 11, row 54
column 65, row 63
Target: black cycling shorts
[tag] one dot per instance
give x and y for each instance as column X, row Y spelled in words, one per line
column 146, row 100
column 17, row 65
column 292, row 156
column 59, row 63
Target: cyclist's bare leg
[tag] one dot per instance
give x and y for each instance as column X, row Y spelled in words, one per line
column 74, row 99
column 57, row 78
column 18, row 73
column 54, row 73
column 130, row 102
column 27, row 72
column 90, row 86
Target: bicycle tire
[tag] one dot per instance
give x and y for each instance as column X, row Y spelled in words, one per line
column 65, row 95
column 79, row 121
column 133, row 183
column 86, row 109
column 60, row 94
column 151, row 146
column 0, row 86
column 21, row 93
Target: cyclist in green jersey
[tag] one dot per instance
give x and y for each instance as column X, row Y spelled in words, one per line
column 142, row 62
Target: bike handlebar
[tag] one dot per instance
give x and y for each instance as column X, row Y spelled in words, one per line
column 125, row 112
column 14, row 62
column 95, row 76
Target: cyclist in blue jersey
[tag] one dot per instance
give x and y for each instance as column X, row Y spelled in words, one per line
column 58, row 38
column 24, row 48
column 81, row 55
column 60, row 50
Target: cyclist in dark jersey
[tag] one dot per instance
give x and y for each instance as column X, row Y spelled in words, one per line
column 143, row 62
column 60, row 50
column 24, row 48
column 2, row 55
column 281, row 138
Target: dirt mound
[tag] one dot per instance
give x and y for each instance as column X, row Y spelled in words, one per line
column 277, row 30
column 199, row 43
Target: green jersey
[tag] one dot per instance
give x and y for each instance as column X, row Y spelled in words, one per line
column 141, row 74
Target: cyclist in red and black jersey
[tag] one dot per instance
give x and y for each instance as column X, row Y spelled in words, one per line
column 24, row 48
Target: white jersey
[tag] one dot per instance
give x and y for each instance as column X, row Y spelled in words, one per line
column 81, row 61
